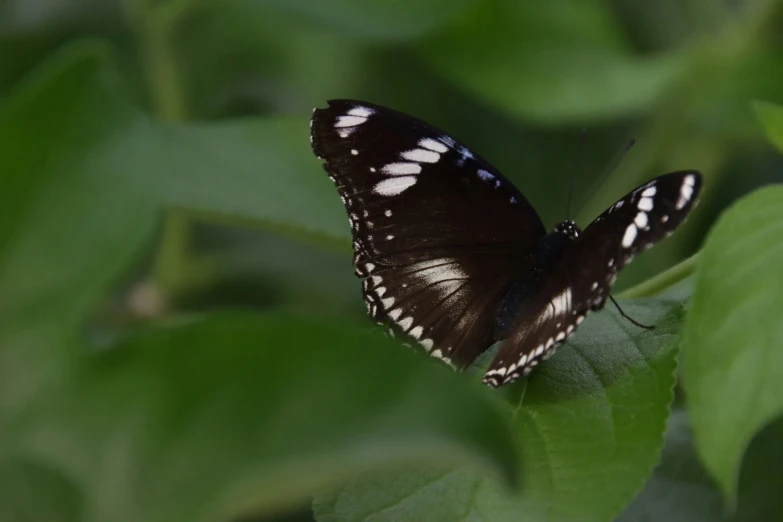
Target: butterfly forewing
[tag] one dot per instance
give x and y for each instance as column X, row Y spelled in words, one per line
column 583, row 277
column 438, row 233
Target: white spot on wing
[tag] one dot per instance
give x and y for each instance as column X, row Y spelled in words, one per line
column 485, row 175
column 394, row 186
column 435, row 145
column 641, row 220
column 562, row 302
column 388, row 302
column 649, row 192
column 406, row 323
column 416, row 332
column 426, row 343
column 388, row 213
column 364, row 112
column 645, row 204
column 439, row 270
column 349, row 121
column 686, row 191
column 630, row 236
column 421, row 155
column 395, row 314
column 354, row 152
column 401, row 169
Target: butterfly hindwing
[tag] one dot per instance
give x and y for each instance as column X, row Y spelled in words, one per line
column 583, row 277
column 438, row 233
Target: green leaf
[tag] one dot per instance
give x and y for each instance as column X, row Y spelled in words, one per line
column 32, row 491
column 259, row 169
column 378, row 20
column 732, row 357
column 208, row 420
column 68, row 190
column 590, row 428
column 552, row 62
column 682, row 491
column 74, row 211
column 771, row 117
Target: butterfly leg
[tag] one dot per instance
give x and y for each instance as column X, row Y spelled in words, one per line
column 640, row 325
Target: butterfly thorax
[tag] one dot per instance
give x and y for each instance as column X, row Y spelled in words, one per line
column 521, row 292
column 551, row 246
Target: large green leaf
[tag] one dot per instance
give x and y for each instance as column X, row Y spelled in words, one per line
column 550, row 61
column 74, row 211
column 204, row 421
column 259, row 169
column 590, row 427
column 733, row 339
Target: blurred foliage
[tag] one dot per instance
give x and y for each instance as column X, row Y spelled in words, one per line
column 156, row 169
column 612, row 392
column 735, row 331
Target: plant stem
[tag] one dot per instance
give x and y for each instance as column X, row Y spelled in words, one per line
column 664, row 280
column 167, row 94
column 165, row 83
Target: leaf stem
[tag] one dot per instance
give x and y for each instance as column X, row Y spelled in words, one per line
column 664, row 280
column 155, row 26
column 165, row 83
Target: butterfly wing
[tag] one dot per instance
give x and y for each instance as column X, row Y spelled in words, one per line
column 438, row 233
column 583, row 277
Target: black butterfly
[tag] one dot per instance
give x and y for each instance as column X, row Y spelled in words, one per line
column 454, row 256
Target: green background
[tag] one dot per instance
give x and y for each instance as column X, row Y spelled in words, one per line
column 181, row 333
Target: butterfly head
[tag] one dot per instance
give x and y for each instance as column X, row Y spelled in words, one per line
column 569, row 229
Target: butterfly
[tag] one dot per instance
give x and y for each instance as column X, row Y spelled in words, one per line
column 455, row 258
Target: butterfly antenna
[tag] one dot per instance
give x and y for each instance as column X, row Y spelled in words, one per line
column 612, row 167
column 574, row 172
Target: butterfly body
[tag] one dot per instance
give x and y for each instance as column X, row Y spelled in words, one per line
column 546, row 255
column 455, row 258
